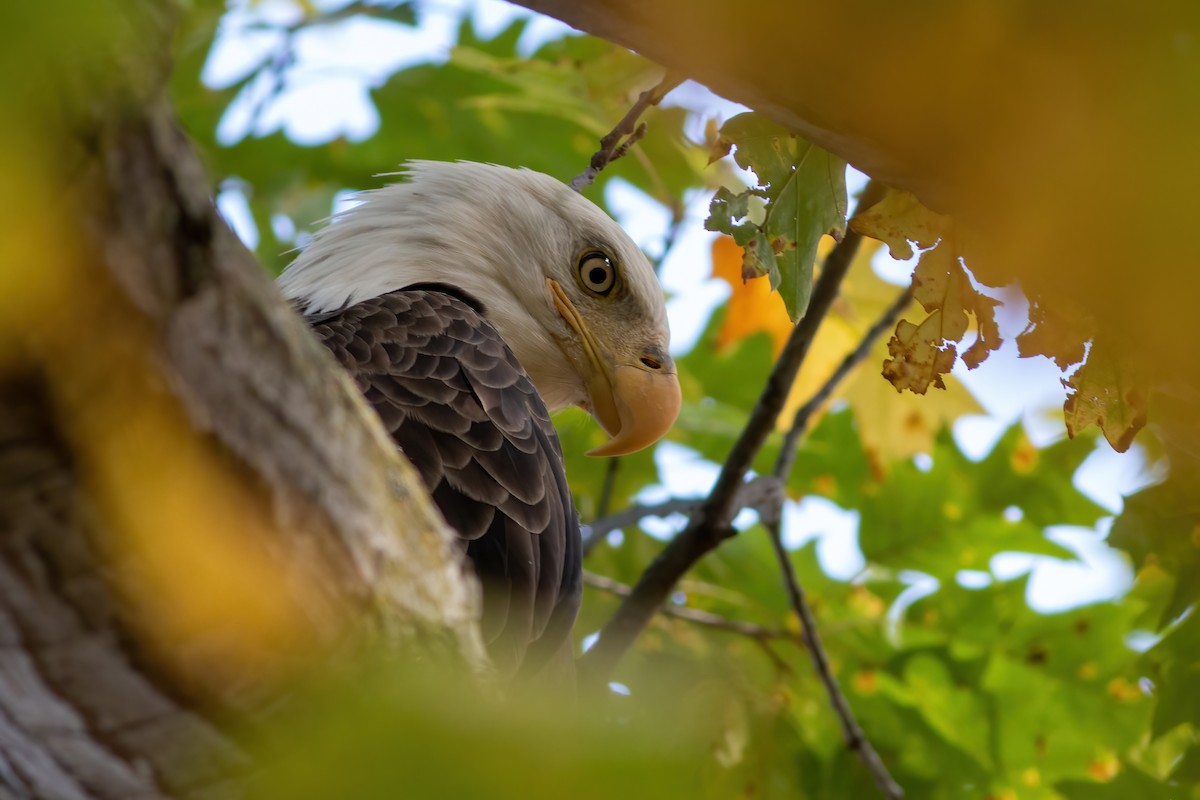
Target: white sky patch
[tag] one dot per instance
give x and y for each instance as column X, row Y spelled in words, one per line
column 231, row 202
column 1106, row 475
column 1101, row 573
column 834, row 528
column 692, row 95
column 492, row 17
column 973, row 579
column 317, row 84
column 918, row 585
column 686, row 272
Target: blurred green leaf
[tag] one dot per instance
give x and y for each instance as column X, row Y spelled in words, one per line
column 953, row 516
column 1161, row 525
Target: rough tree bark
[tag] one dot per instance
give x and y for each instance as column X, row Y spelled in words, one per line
column 193, row 500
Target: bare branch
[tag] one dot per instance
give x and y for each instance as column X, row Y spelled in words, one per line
column 696, row 615
column 617, row 142
column 856, row 740
column 760, row 494
column 711, row 525
column 610, row 482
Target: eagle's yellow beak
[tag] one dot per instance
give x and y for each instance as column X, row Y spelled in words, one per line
column 635, row 398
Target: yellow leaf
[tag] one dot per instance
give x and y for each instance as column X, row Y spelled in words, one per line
column 892, row 427
column 898, row 426
column 915, row 360
column 922, row 354
column 898, row 219
column 835, row 338
column 1105, row 392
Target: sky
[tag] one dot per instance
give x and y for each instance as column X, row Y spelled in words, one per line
column 326, row 95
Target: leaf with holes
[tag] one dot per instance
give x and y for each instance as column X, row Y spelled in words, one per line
column 923, row 354
column 899, row 218
column 804, row 189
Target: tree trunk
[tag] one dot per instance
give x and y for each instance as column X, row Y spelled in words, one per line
column 194, row 502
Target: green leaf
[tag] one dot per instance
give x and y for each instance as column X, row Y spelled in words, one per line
column 1175, row 668
column 952, row 517
column 1161, row 525
column 404, row 13
column 949, row 707
column 578, row 433
column 805, row 192
column 1129, row 783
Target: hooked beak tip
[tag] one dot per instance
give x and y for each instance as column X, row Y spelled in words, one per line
column 646, row 404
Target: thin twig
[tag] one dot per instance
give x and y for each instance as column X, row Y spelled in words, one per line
column 791, row 441
column 606, row 491
column 617, row 142
column 758, row 494
column 711, row 525
column 696, row 615
column 856, row 740
column 678, row 217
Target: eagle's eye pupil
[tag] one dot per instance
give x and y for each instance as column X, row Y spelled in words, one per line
column 597, row 273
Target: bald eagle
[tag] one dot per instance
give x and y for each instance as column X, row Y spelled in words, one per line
column 467, row 303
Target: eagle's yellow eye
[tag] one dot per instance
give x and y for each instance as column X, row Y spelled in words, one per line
column 597, row 273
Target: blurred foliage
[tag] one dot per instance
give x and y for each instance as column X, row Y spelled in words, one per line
column 965, row 692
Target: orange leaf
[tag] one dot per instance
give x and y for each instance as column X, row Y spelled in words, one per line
column 752, row 307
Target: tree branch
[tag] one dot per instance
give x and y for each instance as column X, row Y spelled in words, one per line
column 856, row 740
column 757, row 494
column 617, row 142
column 696, row 615
column 711, row 525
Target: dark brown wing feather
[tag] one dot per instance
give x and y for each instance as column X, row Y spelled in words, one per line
column 457, row 402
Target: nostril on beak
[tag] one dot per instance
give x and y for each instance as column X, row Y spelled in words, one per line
column 651, row 363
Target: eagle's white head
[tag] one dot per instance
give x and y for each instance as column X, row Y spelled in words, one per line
column 569, row 291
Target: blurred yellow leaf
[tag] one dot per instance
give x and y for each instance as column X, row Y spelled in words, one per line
column 1054, row 334
column 1104, row 392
